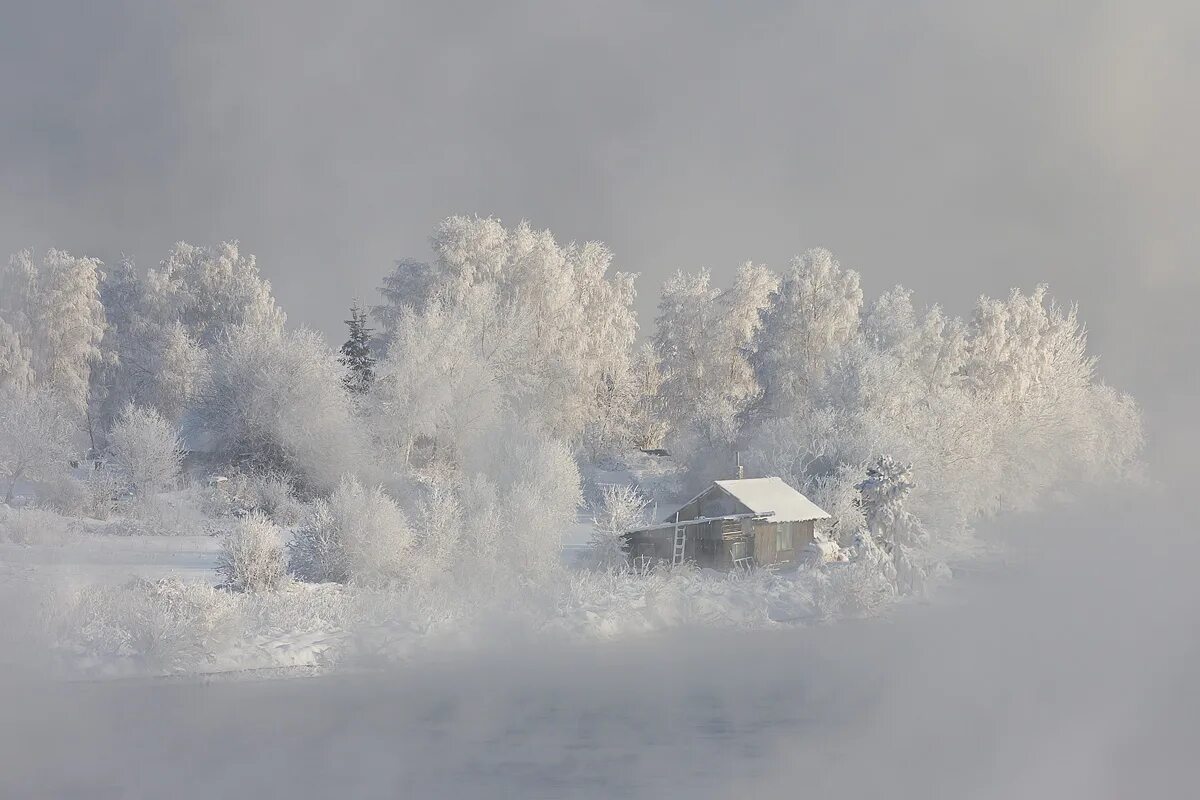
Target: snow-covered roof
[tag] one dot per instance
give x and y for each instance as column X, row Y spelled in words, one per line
column 773, row 496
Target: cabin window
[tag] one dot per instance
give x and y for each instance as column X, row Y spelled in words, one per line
column 783, row 536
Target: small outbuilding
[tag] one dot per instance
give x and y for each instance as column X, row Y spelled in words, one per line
column 731, row 524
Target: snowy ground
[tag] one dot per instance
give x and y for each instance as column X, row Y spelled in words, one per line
column 117, row 559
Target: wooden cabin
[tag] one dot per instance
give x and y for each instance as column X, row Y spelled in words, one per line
column 735, row 523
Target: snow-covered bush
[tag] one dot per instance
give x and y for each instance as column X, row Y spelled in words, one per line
column 31, row 525
column 316, row 552
column 522, row 492
column 618, row 510
column 103, row 489
column 89, row 490
column 359, row 535
column 158, row 626
column 252, row 556
column 268, row 491
column 437, row 522
column 837, row 493
column 146, row 450
column 859, row 586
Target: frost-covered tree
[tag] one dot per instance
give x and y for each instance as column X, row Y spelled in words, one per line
column 163, row 324
column 938, row 349
column 836, row 491
column 687, row 312
column 211, row 291
column 991, row 414
column 890, row 523
column 275, row 400
column 1026, row 363
column 410, row 286
column 648, row 424
column 36, row 437
column 813, row 313
column 355, row 353
column 891, row 322
column 619, row 509
column 53, row 308
column 704, row 343
column 742, row 306
column 252, row 556
column 150, row 358
column 606, row 334
column 15, row 370
column 443, row 380
column 549, row 324
column 611, row 428
column 883, row 492
column 146, row 450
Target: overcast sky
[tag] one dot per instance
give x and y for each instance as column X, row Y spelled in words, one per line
column 957, row 151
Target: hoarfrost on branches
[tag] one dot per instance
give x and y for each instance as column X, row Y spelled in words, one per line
column 36, row 437
column 252, row 556
column 146, row 450
column 619, row 509
column 360, row 534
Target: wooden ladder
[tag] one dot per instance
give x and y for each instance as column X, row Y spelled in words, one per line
column 680, row 542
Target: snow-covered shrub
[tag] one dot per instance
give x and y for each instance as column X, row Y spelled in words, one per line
column 146, row 450
column 31, row 525
column 85, row 491
column 837, row 493
column 252, row 557
column 438, row 526
column 103, row 490
column 859, row 586
column 143, row 626
column 619, row 509
column 359, row 535
column 522, row 495
column 65, row 492
column 316, row 552
column 269, row 492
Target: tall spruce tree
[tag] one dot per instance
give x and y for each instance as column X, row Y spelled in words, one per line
column 356, row 352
